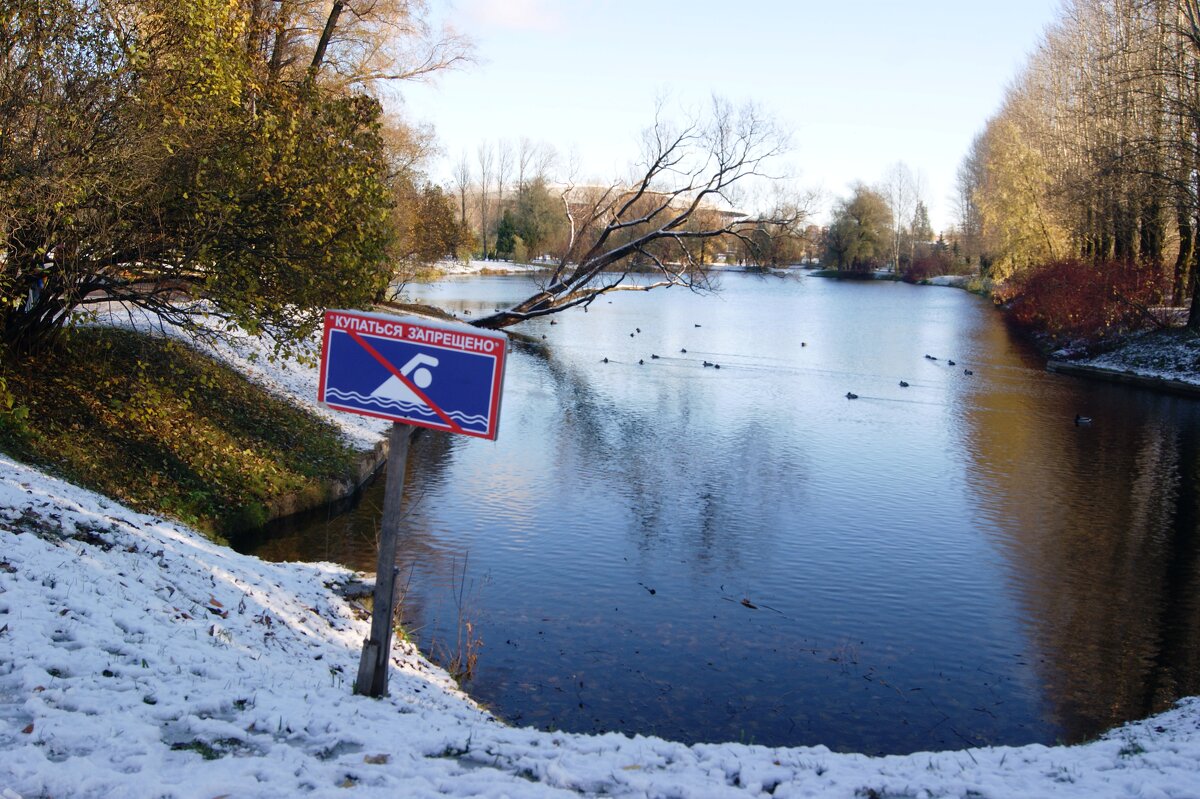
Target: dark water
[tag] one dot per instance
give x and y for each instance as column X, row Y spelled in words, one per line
column 745, row 554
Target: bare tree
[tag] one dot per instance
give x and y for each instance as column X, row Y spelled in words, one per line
column 686, row 173
column 485, row 156
column 526, row 150
column 968, row 181
column 918, row 205
column 504, row 166
column 899, row 188
column 462, row 183
column 368, row 41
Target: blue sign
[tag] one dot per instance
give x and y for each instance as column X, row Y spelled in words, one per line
column 430, row 374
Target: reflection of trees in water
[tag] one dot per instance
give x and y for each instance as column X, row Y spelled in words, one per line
column 1102, row 528
column 649, row 458
column 1175, row 666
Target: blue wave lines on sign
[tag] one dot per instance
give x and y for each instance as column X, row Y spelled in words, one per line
column 478, row 421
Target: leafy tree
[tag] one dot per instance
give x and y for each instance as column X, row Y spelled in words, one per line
column 162, row 153
column 1021, row 228
column 506, row 235
column 859, row 236
column 921, row 230
column 540, row 219
column 1093, row 153
column 771, row 244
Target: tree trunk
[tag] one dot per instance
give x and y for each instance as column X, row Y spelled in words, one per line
column 327, row 34
column 1152, row 234
column 1193, row 322
column 279, row 47
column 1187, row 245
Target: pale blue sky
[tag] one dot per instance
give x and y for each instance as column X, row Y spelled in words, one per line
column 860, row 85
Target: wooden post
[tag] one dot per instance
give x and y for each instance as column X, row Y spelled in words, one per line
column 376, row 652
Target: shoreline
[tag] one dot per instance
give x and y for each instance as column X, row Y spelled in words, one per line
column 1166, row 361
column 1127, row 377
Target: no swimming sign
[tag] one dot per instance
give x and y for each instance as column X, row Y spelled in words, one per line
column 430, row 374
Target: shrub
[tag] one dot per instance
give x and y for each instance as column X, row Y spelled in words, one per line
column 1081, row 301
column 926, row 266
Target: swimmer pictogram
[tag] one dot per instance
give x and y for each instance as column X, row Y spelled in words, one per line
column 441, row 376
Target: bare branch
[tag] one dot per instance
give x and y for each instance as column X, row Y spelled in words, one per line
column 680, row 198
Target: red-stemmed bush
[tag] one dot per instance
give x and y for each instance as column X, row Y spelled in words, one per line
column 1083, row 301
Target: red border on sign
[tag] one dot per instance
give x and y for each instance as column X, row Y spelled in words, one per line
column 497, row 373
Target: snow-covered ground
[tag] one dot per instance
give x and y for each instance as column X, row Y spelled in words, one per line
column 474, row 267
column 1169, row 355
column 139, row 659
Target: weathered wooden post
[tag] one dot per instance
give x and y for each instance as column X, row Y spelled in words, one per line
column 373, row 667
column 418, row 373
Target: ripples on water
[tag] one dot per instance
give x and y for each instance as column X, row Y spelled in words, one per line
column 745, row 554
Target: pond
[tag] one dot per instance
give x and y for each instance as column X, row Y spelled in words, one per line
column 743, row 553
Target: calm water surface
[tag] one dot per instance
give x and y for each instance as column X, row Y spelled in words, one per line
column 744, row 554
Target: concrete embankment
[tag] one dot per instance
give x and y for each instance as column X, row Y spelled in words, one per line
column 332, row 491
column 1127, row 377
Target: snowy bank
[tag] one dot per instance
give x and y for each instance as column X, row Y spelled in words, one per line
column 139, row 659
column 953, row 281
column 1163, row 359
column 476, row 267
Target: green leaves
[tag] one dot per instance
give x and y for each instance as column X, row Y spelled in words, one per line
column 156, row 161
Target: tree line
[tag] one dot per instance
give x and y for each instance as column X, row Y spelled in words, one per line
column 1093, row 160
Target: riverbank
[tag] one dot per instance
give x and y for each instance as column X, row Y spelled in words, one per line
column 1162, row 360
column 1165, row 360
column 141, row 659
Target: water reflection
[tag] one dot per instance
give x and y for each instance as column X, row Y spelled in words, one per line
column 1103, row 543
column 744, row 554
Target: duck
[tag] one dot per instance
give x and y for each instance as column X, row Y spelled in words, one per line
column 706, row 363
column 653, row 356
column 695, row 325
column 553, row 322
column 684, row 349
column 851, row 395
column 638, row 329
column 1082, row 421
column 803, row 343
column 967, row 372
column 903, row 384
column 641, row 362
column 930, row 358
column 716, row 366
column 605, row 360
column 631, row 335
column 950, row 362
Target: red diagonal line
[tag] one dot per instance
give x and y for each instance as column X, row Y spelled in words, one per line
column 411, row 387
